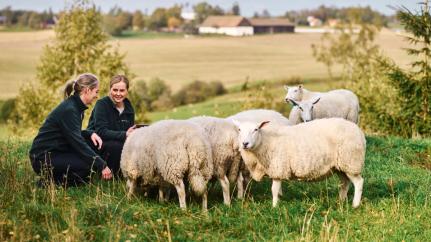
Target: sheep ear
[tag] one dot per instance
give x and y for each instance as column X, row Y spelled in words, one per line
column 235, row 122
column 316, row 101
column 293, row 102
column 263, row 124
column 286, row 87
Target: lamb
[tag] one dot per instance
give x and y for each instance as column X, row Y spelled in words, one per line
column 164, row 153
column 307, row 151
column 340, row 103
column 223, row 137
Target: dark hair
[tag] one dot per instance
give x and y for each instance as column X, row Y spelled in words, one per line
column 82, row 81
column 119, row 78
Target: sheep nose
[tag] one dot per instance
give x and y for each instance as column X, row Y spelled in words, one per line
column 286, row 99
column 244, row 144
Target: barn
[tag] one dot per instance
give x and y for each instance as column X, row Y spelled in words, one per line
column 271, row 25
column 228, row 25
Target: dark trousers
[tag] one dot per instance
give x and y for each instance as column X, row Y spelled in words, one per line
column 111, row 153
column 63, row 168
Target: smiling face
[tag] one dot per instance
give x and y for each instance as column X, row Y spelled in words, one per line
column 249, row 134
column 89, row 95
column 118, row 92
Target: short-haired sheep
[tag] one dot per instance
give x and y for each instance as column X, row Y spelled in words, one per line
column 223, row 137
column 309, row 105
column 307, row 151
column 164, row 153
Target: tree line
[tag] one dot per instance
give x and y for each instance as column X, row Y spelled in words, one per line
column 118, row 20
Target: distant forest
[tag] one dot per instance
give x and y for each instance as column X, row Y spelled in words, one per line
column 118, row 20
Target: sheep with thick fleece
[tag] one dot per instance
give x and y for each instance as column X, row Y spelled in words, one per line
column 339, row 103
column 257, row 116
column 164, row 153
column 307, row 151
column 223, row 137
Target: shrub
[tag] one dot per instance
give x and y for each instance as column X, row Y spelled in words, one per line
column 198, row 91
column 6, row 109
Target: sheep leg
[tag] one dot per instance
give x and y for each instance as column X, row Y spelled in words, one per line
column 358, row 183
column 181, row 190
column 240, row 186
column 276, row 185
column 131, row 185
column 161, row 195
column 205, row 201
column 225, row 187
column 344, row 186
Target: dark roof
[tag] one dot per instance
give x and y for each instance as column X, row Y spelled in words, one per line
column 225, row 21
column 270, row 22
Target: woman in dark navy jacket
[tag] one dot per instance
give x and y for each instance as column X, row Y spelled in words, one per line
column 113, row 119
column 59, row 151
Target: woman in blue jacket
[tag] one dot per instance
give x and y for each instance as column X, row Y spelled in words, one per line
column 59, row 151
column 113, row 119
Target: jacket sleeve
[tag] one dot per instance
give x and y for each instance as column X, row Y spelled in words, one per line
column 101, row 124
column 70, row 124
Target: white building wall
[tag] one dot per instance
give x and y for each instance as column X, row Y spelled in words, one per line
column 232, row 31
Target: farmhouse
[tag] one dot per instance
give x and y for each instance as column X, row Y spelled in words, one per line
column 272, row 25
column 229, row 25
column 241, row 26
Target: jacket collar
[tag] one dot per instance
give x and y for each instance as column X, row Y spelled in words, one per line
column 81, row 106
column 127, row 105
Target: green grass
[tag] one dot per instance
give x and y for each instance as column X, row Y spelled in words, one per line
column 395, row 206
column 129, row 34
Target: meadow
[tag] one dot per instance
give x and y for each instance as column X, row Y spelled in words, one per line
column 395, row 206
column 396, row 197
column 179, row 60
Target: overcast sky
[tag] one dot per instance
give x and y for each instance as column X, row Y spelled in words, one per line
column 248, row 7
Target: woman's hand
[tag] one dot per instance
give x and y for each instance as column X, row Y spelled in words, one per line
column 130, row 130
column 97, row 141
column 106, row 173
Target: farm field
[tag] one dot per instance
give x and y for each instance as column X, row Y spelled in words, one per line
column 395, row 206
column 181, row 60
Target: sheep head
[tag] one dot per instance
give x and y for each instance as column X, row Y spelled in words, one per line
column 294, row 93
column 249, row 134
column 306, row 108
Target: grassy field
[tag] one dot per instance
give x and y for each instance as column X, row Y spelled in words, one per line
column 181, row 60
column 395, row 206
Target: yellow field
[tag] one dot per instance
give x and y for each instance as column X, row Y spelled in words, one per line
column 178, row 61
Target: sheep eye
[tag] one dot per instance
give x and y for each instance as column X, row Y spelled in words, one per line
column 296, row 90
column 255, row 130
column 301, row 109
column 239, row 129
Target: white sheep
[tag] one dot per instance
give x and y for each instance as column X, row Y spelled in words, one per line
column 223, row 137
column 164, row 153
column 309, row 105
column 307, row 151
column 257, row 116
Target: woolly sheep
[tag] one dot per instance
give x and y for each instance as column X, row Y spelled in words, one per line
column 309, row 105
column 307, row 151
column 163, row 153
column 257, row 116
column 223, row 137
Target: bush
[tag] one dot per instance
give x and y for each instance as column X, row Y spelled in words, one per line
column 198, row 91
column 6, row 109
